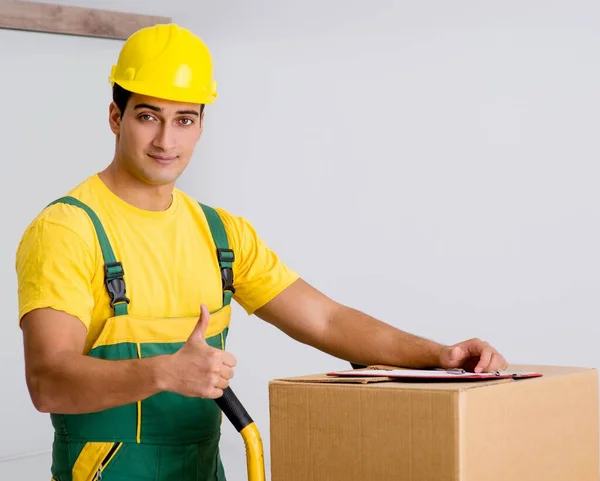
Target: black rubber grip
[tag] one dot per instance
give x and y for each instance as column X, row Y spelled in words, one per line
column 234, row 410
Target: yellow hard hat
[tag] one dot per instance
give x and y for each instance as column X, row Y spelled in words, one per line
column 168, row 62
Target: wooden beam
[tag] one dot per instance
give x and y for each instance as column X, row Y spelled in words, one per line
column 68, row 20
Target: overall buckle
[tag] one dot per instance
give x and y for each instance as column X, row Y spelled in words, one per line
column 114, row 282
column 226, row 255
column 227, row 279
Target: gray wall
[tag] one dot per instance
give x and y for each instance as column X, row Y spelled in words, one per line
column 434, row 164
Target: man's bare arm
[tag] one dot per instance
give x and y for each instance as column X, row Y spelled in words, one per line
column 307, row 315
column 62, row 380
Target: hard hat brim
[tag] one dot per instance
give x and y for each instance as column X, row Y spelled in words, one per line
column 173, row 93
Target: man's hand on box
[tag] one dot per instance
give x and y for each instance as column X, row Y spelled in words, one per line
column 473, row 355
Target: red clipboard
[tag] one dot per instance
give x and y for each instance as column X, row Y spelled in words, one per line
column 435, row 374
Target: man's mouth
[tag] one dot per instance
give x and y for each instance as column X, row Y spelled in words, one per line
column 162, row 158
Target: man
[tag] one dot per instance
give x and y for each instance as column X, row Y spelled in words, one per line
column 125, row 288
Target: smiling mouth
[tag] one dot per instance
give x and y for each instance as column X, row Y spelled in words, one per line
column 163, row 159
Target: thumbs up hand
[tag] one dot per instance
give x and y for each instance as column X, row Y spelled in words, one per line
column 200, row 370
column 198, row 334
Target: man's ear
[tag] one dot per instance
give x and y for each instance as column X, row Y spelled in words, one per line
column 114, row 118
column 201, row 123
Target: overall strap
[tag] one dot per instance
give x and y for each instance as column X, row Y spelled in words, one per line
column 113, row 270
column 225, row 255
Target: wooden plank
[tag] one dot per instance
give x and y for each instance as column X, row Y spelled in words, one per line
column 68, row 20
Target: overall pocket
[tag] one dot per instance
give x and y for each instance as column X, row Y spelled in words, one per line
column 93, row 460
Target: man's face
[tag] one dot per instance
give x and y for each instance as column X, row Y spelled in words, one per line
column 156, row 138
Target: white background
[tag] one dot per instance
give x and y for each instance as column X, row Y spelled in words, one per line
column 432, row 163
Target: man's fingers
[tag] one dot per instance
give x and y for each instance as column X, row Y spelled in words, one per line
column 475, row 346
column 226, row 372
column 229, row 359
column 473, row 354
column 215, row 393
column 215, row 390
column 222, row 383
column 498, row 363
column 485, row 358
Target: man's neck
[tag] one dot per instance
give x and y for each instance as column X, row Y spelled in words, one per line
column 135, row 192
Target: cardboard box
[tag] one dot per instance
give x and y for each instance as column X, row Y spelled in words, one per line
column 332, row 429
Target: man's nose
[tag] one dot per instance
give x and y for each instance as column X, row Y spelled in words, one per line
column 164, row 138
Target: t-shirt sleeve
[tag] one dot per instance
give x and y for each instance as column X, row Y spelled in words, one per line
column 55, row 266
column 259, row 274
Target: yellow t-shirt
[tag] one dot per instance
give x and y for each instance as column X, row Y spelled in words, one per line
column 168, row 258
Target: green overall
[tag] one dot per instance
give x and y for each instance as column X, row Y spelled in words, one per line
column 166, row 437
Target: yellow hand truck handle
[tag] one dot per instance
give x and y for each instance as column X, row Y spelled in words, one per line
column 243, row 423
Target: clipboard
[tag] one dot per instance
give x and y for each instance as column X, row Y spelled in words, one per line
column 434, row 374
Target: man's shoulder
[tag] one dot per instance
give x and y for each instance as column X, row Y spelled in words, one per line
column 197, row 205
column 236, row 226
column 56, row 213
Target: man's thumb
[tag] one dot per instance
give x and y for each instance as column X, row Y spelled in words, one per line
column 453, row 357
column 199, row 331
column 456, row 354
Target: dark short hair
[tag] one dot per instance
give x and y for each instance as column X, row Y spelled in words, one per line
column 121, row 97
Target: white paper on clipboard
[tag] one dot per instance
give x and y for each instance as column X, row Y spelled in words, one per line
column 437, row 374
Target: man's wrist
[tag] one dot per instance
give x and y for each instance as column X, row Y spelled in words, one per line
column 160, row 375
column 437, row 351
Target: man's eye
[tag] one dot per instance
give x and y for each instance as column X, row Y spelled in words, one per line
column 146, row 117
column 187, row 121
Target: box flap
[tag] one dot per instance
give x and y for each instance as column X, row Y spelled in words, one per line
column 455, row 385
column 324, row 378
column 387, row 383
